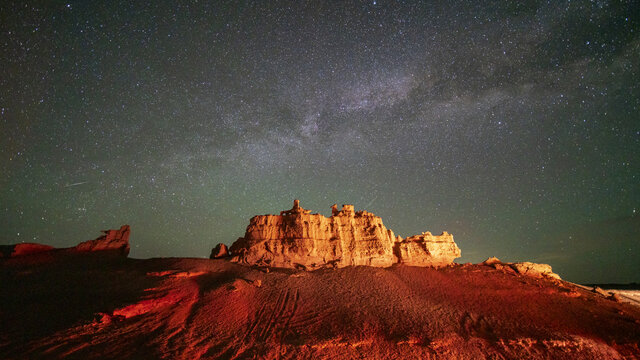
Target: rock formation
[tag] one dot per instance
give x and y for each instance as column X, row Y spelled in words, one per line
column 534, row 269
column 298, row 239
column 491, row 261
column 113, row 240
column 22, row 249
column 220, row 251
column 523, row 268
column 427, row 250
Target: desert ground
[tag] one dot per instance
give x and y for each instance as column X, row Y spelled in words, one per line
column 93, row 306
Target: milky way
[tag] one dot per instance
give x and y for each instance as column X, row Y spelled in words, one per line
column 512, row 125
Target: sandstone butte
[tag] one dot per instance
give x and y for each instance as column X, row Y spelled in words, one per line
column 298, row 239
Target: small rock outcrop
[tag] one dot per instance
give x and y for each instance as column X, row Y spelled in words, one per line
column 492, row 261
column 523, row 268
column 112, row 240
column 22, row 249
column 534, row 269
column 598, row 290
column 219, row 252
column 298, row 239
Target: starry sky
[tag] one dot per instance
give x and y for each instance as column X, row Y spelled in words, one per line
column 514, row 125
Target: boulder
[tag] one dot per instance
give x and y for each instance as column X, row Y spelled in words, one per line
column 298, row 239
column 220, row 251
column 534, row 270
column 112, row 240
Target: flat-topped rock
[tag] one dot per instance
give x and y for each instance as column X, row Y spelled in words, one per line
column 298, row 239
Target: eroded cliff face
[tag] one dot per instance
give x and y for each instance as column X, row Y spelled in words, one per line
column 427, row 250
column 298, row 239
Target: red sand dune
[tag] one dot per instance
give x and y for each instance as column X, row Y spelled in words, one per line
column 95, row 307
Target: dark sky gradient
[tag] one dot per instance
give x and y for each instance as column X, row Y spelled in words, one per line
column 513, row 125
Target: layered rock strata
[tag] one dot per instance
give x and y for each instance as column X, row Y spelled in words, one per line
column 427, row 250
column 298, row 239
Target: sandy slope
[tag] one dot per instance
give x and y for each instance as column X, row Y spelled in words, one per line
column 94, row 307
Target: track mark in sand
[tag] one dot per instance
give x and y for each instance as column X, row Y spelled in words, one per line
column 273, row 322
column 310, row 317
column 258, row 319
column 275, row 318
column 476, row 326
column 286, row 327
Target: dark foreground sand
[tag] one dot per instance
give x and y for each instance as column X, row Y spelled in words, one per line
column 96, row 307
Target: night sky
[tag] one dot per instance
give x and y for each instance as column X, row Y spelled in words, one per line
column 513, row 125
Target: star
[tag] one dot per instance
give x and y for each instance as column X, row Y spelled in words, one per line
column 507, row 125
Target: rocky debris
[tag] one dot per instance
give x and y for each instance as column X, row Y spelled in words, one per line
column 219, row 252
column 505, row 268
column 298, row 239
column 112, row 240
column 615, row 297
column 22, row 249
column 495, row 263
column 611, row 295
column 522, row 268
